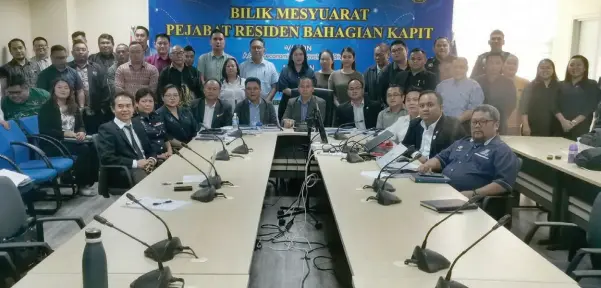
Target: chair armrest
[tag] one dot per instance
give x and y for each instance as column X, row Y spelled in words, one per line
column 590, row 250
column 78, row 220
column 54, row 142
column 126, row 169
column 538, row 224
column 21, row 245
column 11, row 163
column 4, row 257
column 36, row 150
column 579, row 274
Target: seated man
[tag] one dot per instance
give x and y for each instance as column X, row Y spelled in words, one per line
column 364, row 114
column 254, row 110
column 123, row 141
column 210, row 111
column 395, row 99
column 304, row 106
column 479, row 165
column 433, row 131
column 22, row 100
column 400, row 127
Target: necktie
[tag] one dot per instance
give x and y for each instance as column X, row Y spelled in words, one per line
column 133, row 142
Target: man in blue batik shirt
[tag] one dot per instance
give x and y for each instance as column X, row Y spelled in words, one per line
column 481, row 164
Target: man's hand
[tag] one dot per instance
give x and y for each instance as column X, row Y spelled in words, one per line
column 80, row 136
column 468, row 194
column 424, row 168
column 288, row 123
column 566, row 125
column 5, row 124
column 142, row 163
column 526, row 129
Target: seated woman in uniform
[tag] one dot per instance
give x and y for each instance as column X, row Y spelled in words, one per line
column 61, row 119
column 179, row 121
column 153, row 124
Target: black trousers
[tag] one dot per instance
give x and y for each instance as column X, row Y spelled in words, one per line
column 85, row 167
column 100, row 116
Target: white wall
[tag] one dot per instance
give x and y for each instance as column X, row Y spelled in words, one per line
column 92, row 17
column 14, row 22
column 568, row 11
column 49, row 20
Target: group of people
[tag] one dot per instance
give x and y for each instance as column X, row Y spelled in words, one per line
column 145, row 102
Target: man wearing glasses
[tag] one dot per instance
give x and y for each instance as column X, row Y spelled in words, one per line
column 42, row 57
column 481, row 164
column 389, row 73
column 181, row 75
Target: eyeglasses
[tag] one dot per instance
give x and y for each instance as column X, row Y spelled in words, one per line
column 171, row 96
column 480, row 122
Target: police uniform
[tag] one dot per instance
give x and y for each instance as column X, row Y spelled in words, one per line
column 155, row 129
column 432, row 66
column 472, row 165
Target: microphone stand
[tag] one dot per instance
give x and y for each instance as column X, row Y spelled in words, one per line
column 160, row 277
column 214, row 180
column 204, row 194
column 354, row 157
column 430, row 261
column 340, row 137
column 242, row 149
column 222, row 155
column 447, row 282
column 344, row 148
column 384, row 197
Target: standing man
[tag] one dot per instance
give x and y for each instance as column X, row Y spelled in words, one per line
column 19, row 64
column 418, row 76
column 260, row 68
column 182, row 76
column 398, row 50
column 136, row 73
column 363, row 113
column 97, row 98
column 381, row 56
column 210, row 64
column 460, row 94
column 105, row 58
column 77, row 35
column 141, row 35
column 496, row 42
column 510, row 69
column 122, row 55
column 60, row 69
column 441, row 51
column 42, row 57
column 499, row 91
column 190, row 56
column 162, row 42
column 210, row 111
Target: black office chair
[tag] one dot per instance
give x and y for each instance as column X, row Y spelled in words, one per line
column 328, row 96
column 104, row 173
column 588, row 244
column 22, row 243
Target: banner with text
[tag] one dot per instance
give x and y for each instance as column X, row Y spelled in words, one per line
column 316, row 24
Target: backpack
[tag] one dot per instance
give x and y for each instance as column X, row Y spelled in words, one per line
column 592, row 139
column 589, row 159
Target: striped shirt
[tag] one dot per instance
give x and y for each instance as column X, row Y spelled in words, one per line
column 210, row 65
column 29, row 70
column 130, row 80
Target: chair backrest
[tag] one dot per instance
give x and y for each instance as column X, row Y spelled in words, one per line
column 12, row 209
column 593, row 236
column 95, row 141
column 30, row 125
column 19, row 154
column 328, row 96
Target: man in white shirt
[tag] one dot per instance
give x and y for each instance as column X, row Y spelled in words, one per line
column 399, row 128
column 124, row 142
column 260, row 68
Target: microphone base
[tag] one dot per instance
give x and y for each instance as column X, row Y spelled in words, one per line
column 442, row 283
column 222, row 155
column 236, row 134
column 353, row 158
column 428, row 260
column 386, row 198
column 204, row 195
column 215, row 181
column 340, row 137
column 242, row 149
column 155, row 278
column 378, row 185
column 166, row 250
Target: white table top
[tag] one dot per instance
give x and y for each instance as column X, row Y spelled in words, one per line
column 395, row 282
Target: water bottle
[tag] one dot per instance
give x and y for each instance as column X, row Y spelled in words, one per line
column 93, row 264
column 579, row 144
column 235, row 121
column 573, row 151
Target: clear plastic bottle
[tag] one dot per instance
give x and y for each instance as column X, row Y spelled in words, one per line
column 93, row 264
column 572, row 152
column 235, row 121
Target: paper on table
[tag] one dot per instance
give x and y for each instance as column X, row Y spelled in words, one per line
column 157, row 204
column 193, row 178
column 373, row 174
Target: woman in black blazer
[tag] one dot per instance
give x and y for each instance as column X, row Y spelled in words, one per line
column 179, row 121
column 60, row 118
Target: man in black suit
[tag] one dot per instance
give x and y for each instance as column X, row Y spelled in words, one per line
column 432, row 132
column 255, row 109
column 123, row 141
column 381, row 55
column 363, row 113
column 417, row 76
column 209, row 111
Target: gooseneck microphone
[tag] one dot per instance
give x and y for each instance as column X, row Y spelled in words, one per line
column 337, row 134
column 168, row 248
column 160, row 277
column 215, row 180
column 431, row 261
column 242, row 149
column 222, row 155
column 204, row 194
column 386, row 198
column 352, row 156
column 378, row 183
column 446, row 282
column 345, row 148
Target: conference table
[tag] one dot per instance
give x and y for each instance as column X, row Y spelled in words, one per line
column 376, row 239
